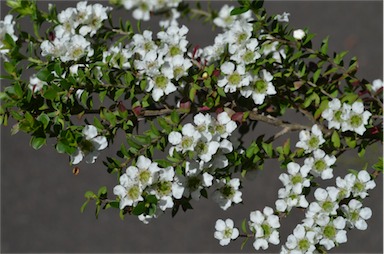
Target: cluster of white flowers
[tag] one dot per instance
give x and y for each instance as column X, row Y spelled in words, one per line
column 90, row 146
column 325, row 220
column 207, row 140
column 69, row 42
column 243, row 49
column 161, row 65
column 147, row 178
column 6, row 27
column 143, row 8
column 347, row 117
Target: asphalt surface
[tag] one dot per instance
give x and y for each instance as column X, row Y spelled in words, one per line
column 41, row 198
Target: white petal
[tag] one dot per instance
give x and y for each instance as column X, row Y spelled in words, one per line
column 174, row 138
column 89, row 132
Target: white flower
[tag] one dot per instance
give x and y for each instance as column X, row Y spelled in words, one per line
column 129, row 191
column 283, row 17
column 150, row 64
column 272, row 47
column 35, row 84
column 96, row 14
column 224, row 126
column 144, row 172
column 320, row 164
column 143, row 43
column 360, row 184
column 227, row 193
column 334, row 114
column 67, row 19
column 265, row 226
column 301, row 241
column 344, row 186
column 225, row 231
column 203, row 123
column 356, row 119
column 356, row 215
column 233, row 79
column 298, row 34
column 247, row 54
column 333, row 233
column 205, row 148
column 310, row 141
column 161, row 83
column 195, row 180
column 239, row 33
column 288, row 199
column 6, row 27
column 90, row 146
column 224, row 18
column 117, row 57
column 180, row 66
column 185, row 142
column 166, row 188
column 377, row 84
column 260, row 87
column 296, row 179
column 77, row 47
column 326, row 202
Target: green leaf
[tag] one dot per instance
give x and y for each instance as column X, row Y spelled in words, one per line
column 139, row 209
column 268, row 149
column 38, row 142
column 239, row 10
column 90, row 195
column 82, row 208
column 175, row 117
column 335, row 139
column 102, row 191
column 339, row 57
column 324, row 46
column 244, row 226
column 350, row 142
column 379, row 165
column 44, row 119
column 44, row 75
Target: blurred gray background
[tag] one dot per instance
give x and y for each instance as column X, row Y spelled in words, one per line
column 41, row 198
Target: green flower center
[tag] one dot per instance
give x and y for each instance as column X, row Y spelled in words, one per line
column 227, row 233
column 354, row 216
column 134, row 192
column 359, row 187
column 320, row 165
column 228, row 191
column 77, row 52
column 234, row 78
column 178, row 71
column 248, row 56
column 161, row 81
column 148, row 46
column 193, row 183
column 327, row 206
column 329, row 232
column 201, row 148
column 86, row 146
column 303, row 244
column 144, row 176
column 164, row 188
column 356, row 121
column 260, row 86
column 337, row 116
column 297, row 179
column 186, row 142
column 313, row 142
column 242, row 37
column 174, row 50
column 220, row 129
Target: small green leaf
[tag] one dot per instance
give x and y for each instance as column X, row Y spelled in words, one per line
column 239, row 10
column 175, row 117
column 82, row 208
column 350, row 142
column 335, row 139
column 244, row 226
column 268, row 149
column 37, row 142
